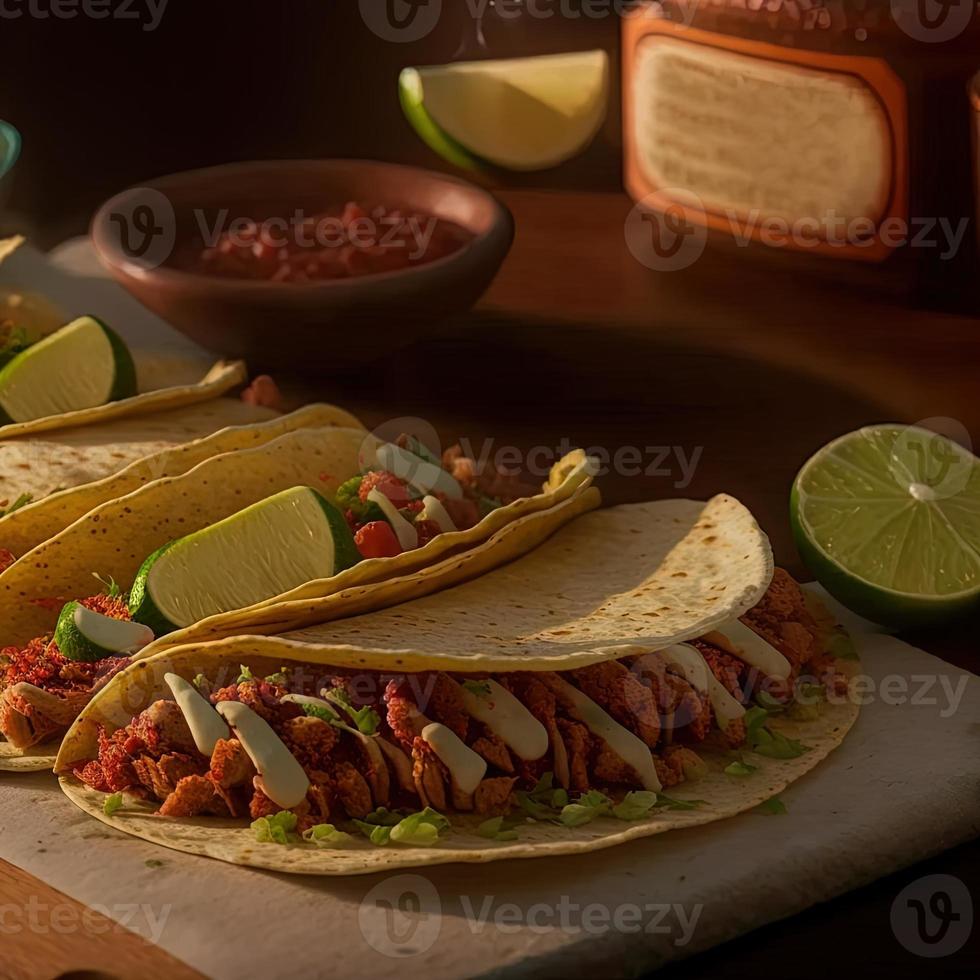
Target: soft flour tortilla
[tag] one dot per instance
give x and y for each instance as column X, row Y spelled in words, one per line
column 574, row 616
column 95, row 464
column 114, row 538
column 221, row 378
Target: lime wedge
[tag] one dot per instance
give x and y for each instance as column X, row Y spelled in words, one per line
column 518, row 113
column 82, row 365
column 262, row 551
column 888, row 519
column 82, row 634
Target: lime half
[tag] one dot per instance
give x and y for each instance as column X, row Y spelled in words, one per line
column 888, row 519
column 516, row 113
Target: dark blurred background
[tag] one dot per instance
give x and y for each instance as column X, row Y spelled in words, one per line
column 104, row 103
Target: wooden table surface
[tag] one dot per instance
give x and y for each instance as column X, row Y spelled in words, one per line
column 724, row 376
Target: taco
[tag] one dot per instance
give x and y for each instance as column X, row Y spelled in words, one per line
column 242, row 547
column 547, row 708
column 52, row 481
column 84, row 373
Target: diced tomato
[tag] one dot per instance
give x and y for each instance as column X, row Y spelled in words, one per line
column 377, row 540
column 391, row 486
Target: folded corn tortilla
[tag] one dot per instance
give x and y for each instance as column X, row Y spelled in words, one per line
column 69, row 473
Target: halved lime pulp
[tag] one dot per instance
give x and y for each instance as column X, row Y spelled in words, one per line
column 275, row 545
column 516, row 113
column 82, row 365
column 888, row 519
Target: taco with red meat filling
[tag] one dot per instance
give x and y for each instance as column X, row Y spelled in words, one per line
column 297, row 528
column 531, row 712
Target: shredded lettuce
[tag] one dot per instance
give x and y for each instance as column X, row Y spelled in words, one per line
column 112, row 804
column 22, row 501
column 772, row 807
column 764, row 741
column 589, row 806
column 497, row 828
column 279, row 828
column 421, row 829
column 635, row 805
column 739, row 768
column 326, row 835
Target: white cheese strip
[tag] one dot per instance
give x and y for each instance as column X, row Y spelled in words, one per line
column 737, row 639
column 283, row 778
column 407, row 536
column 433, row 510
column 507, row 718
column 631, row 749
column 418, row 472
column 699, row 675
column 465, row 766
column 206, row 725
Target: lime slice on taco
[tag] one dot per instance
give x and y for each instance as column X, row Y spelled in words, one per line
column 888, row 519
column 82, row 365
column 279, row 543
column 516, row 113
column 83, row 634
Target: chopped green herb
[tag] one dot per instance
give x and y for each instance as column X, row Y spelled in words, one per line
column 320, row 711
column 670, row 803
column 279, row 677
column 768, row 703
column 778, row 746
column 772, row 807
column 245, row 674
column 366, row 719
column 326, row 835
column 589, row 806
column 112, row 804
column 22, row 501
column 279, row 828
column 202, row 684
column 362, row 510
column 480, row 688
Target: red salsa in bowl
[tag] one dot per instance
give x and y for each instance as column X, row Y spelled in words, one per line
column 341, row 243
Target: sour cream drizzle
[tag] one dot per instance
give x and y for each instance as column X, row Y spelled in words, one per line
column 433, row 510
column 281, row 777
column 407, row 536
column 740, row 641
column 507, row 718
column 699, row 675
column 464, row 765
column 206, row 725
column 631, row 749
